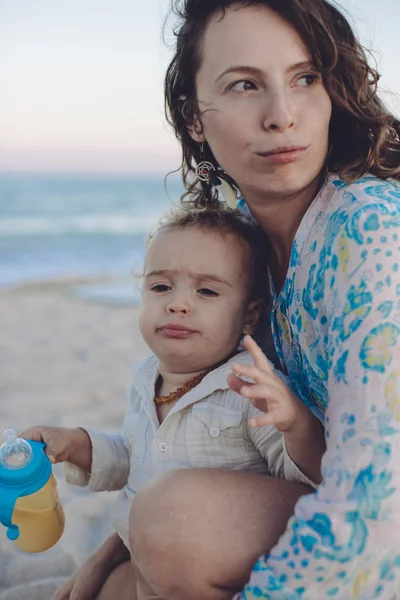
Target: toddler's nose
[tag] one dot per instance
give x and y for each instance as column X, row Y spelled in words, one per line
column 178, row 307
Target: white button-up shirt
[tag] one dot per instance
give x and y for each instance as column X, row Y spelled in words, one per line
column 207, row 427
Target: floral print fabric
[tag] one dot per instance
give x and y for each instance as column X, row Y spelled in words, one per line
column 336, row 328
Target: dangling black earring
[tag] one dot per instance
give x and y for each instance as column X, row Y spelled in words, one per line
column 206, row 171
column 204, row 168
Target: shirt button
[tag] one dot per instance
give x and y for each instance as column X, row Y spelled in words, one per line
column 214, row 432
column 163, row 447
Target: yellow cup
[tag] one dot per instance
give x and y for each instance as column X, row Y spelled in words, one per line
column 40, row 518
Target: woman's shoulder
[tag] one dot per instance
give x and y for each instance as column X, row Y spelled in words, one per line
column 353, row 226
column 356, row 209
column 364, row 191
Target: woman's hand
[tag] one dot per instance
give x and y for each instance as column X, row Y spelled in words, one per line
column 86, row 583
column 268, row 392
column 63, row 444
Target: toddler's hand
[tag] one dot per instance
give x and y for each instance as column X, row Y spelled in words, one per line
column 62, row 443
column 268, row 392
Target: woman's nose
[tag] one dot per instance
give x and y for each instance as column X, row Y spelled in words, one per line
column 278, row 113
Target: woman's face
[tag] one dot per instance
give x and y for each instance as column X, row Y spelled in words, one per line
column 264, row 109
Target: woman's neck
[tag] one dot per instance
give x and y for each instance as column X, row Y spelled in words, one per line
column 280, row 218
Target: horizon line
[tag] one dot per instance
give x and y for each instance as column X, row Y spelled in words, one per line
column 89, row 173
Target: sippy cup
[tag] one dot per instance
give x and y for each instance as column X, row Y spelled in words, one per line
column 29, row 503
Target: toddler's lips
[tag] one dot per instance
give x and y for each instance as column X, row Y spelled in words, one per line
column 176, row 331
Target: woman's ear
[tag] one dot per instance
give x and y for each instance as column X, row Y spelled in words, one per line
column 195, row 130
column 193, row 124
column 252, row 316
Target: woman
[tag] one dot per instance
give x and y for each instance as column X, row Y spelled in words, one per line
column 276, row 98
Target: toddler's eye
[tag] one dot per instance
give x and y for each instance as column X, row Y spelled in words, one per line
column 160, row 287
column 207, row 292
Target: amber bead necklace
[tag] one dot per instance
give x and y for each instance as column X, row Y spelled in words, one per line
column 181, row 391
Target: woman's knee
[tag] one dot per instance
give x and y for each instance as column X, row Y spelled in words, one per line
column 202, row 530
column 160, row 530
column 120, row 584
column 166, row 542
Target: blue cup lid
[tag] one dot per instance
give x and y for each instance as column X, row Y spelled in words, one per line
column 22, row 472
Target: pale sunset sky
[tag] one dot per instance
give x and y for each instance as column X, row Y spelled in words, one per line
column 81, row 82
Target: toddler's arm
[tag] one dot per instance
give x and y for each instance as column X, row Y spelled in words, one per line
column 110, row 463
column 304, row 436
column 99, row 460
column 305, row 442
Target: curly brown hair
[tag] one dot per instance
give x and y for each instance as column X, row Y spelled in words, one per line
column 224, row 221
column 364, row 135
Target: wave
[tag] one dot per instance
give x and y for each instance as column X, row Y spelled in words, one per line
column 88, row 224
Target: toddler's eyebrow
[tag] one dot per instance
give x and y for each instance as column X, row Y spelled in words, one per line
column 199, row 276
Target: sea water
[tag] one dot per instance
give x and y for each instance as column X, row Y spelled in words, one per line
column 61, row 226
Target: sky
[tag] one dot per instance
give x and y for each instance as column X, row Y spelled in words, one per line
column 81, row 82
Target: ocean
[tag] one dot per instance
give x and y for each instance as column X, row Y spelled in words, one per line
column 61, row 226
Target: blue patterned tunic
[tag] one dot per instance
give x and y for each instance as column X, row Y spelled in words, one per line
column 336, row 327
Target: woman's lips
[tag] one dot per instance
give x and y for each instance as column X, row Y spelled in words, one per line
column 176, row 331
column 283, row 155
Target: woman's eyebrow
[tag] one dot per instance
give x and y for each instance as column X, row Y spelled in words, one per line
column 307, row 64
column 241, row 69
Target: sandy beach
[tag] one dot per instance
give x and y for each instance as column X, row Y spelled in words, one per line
column 64, row 361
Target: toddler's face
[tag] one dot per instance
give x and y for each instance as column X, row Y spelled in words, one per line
column 195, row 297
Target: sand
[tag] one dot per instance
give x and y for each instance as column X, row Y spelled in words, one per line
column 63, row 361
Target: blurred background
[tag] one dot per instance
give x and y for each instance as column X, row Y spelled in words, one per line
column 84, row 149
column 84, row 146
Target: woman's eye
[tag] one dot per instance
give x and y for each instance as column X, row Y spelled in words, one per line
column 207, row 292
column 244, row 85
column 308, row 80
column 160, row 287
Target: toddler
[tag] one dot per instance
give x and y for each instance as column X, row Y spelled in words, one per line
column 204, row 287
